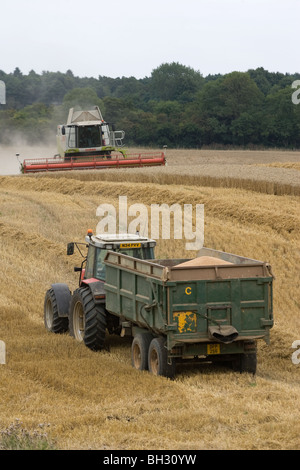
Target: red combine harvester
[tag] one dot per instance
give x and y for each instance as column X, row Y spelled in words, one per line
column 87, row 142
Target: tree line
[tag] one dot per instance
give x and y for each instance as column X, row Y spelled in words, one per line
column 176, row 106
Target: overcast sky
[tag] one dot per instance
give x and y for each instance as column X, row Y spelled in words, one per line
column 127, row 38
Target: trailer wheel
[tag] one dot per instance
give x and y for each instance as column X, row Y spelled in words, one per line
column 139, row 350
column 249, row 363
column 87, row 319
column 52, row 321
column 245, row 362
column 158, row 359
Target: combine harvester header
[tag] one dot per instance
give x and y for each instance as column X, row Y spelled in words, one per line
column 88, row 142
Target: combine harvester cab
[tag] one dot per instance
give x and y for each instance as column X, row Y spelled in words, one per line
column 87, row 134
column 87, row 142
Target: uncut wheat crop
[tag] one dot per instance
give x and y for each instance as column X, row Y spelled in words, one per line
column 96, row 400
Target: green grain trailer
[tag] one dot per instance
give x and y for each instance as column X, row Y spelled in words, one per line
column 177, row 312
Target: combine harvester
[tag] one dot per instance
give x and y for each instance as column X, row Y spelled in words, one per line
column 87, row 142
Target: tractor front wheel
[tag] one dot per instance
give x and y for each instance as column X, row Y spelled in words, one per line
column 53, row 322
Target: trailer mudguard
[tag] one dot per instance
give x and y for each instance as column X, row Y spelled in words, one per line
column 63, row 298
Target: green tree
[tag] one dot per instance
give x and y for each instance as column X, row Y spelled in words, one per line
column 246, row 129
column 33, row 121
column 175, row 106
column 223, row 106
column 240, row 94
column 280, row 120
column 175, row 82
column 82, row 98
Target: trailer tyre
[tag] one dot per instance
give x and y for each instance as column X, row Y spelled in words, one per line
column 158, row 359
column 245, row 362
column 87, row 319
column 139, row 350
column 53, row 322
column 249, row 363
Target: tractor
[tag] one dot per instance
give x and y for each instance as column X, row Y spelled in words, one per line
column 83, row 312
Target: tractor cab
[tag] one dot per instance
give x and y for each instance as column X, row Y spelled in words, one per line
column 132, row 245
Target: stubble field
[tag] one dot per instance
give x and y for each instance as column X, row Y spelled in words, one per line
column 91, row 400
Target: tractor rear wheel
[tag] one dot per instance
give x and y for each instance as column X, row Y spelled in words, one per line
column 87, row 319
column 53, row 322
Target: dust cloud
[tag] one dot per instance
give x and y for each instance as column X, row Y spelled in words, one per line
column 10, row 162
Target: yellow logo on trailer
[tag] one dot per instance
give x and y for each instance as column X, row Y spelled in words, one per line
column 130, row 245
column 187, row 321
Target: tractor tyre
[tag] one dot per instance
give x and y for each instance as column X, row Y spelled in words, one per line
column 76, row 316
column 139, row 350
column 87, row 319
column 158, row 359
column 53, row 322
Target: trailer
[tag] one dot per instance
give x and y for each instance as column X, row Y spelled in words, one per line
column 213, row 308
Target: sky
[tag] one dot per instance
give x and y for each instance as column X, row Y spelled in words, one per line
column 133, row 37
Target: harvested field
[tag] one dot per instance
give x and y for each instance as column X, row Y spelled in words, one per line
column 271, row 172
column 96, row 400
